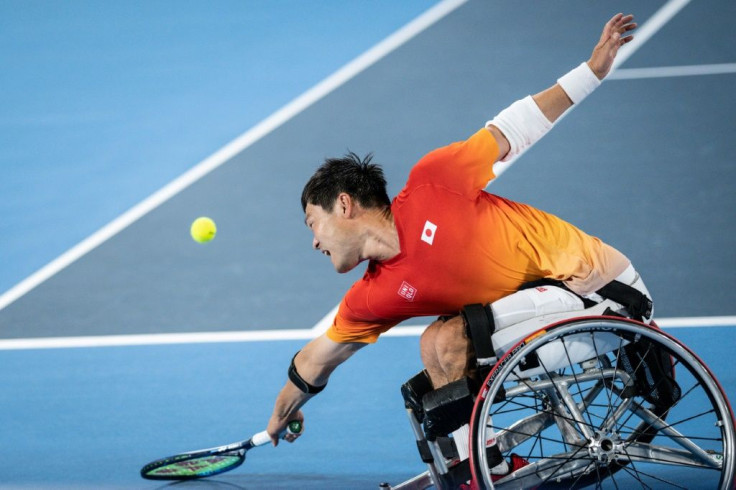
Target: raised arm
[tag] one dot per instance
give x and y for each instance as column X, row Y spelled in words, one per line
column 308, row 375
column 524, row 122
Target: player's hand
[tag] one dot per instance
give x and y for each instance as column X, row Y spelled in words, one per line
column 615, row 34
column 277, row 426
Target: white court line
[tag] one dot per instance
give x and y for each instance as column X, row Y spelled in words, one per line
column 272, row 335
column 269, row 124
column 672, row 71
column 679, row 322
column 416, row 330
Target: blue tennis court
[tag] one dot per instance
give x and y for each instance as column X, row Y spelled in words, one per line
column 91, row 417
column 122, row 340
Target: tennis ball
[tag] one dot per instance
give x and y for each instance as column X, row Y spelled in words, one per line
column 203, row 229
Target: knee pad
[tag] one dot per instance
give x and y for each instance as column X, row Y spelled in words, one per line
column 413, row 390
column 448, row 408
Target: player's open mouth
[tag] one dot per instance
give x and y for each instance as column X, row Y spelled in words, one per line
column 326, row 252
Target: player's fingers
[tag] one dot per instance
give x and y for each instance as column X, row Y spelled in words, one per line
column 609, row 27
column 626, row 29
column 291, row 437
column 624, row 24
column 616, row 18
column 620, row 24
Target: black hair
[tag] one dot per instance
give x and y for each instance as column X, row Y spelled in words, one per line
column 361, row 179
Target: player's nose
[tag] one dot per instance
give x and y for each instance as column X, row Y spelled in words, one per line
column 315, row 244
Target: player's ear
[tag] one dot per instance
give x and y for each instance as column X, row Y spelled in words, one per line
column 345, row 205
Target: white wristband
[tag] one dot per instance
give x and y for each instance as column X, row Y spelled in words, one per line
column 579, row 82
column 523, row 123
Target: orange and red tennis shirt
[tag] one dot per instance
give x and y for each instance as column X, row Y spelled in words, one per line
column 462, row 245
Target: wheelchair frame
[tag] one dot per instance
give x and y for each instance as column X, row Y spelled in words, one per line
column 592, row 451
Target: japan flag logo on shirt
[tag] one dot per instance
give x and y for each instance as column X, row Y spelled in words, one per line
column 429, row 231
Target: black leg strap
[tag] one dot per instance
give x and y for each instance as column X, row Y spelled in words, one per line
column 479, row 326
column 634, row 300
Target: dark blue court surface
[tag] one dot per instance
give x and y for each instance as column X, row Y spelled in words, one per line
column 102, row 105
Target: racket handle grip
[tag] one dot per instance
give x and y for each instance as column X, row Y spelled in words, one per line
column 294, row 427
column 260, row 439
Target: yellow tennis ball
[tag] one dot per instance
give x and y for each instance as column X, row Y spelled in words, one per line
column 203, row 229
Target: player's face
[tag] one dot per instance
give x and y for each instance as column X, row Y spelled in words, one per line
column 334, row 236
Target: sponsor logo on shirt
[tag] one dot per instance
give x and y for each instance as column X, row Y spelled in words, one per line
column 407, row 291
column 429, row 231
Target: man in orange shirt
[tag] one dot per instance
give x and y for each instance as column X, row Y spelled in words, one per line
column 444, row 242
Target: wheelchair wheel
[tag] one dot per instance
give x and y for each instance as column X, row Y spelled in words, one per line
column 608, row 402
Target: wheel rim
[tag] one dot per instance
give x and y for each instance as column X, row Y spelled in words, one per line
column 599, row 445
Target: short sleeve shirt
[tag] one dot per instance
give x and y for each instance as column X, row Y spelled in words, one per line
column 462, row 245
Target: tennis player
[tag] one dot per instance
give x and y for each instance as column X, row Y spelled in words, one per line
column 444, row 242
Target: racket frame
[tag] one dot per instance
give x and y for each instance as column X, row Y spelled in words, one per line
column 239, row 449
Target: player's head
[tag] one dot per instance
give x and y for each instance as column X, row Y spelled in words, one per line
column 333, row 199
column 361, row 179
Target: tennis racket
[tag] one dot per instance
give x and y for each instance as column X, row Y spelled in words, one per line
column 208, row 462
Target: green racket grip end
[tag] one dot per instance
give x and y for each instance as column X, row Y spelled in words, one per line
column 294, row 427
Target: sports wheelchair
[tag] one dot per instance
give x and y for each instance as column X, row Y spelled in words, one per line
column 596, row 401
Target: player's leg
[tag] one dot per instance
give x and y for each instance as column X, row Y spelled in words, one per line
column 533, row 302
column 445, row 350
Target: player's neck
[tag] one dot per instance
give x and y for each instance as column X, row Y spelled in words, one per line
column 382, row 239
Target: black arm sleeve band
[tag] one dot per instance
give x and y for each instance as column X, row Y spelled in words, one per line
column 299, row 381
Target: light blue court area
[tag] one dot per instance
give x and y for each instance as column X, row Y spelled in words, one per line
column 91, row 417
column 102, row 103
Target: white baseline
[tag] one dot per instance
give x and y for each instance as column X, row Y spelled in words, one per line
column 672, row 71
column 273, row 335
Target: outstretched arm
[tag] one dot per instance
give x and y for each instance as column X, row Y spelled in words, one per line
column 313, row 365
column 527, row 120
